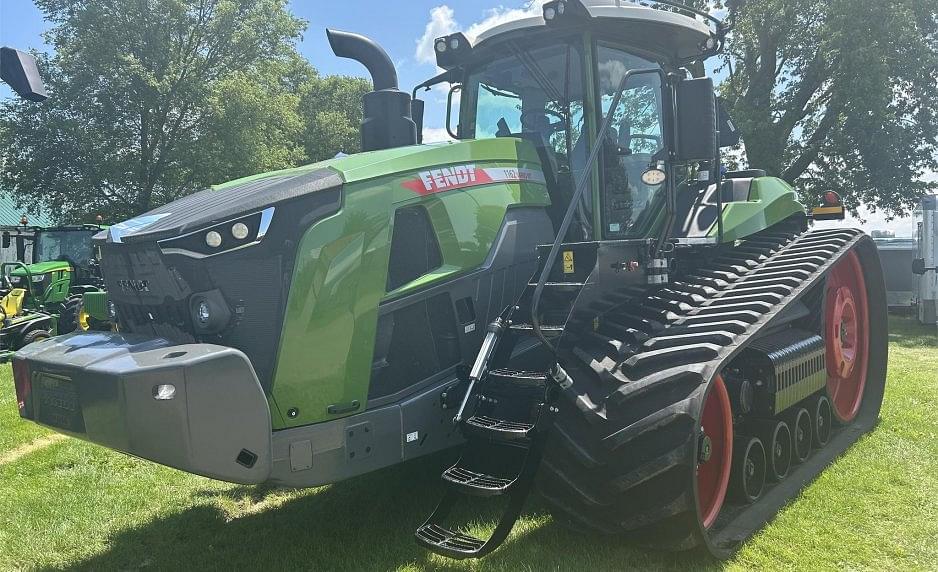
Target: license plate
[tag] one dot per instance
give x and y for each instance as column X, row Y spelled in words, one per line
column 58, row 404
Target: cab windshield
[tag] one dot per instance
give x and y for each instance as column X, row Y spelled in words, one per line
column 536, row 94
column 75, row 245
column 539, row 94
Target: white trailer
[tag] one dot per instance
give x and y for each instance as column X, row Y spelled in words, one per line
column 896, row 255
column 928, row 261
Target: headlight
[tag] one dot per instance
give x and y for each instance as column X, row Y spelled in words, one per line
column 204, row 313
column 210, row 312
column 213, row 239
column 240, row 231
column 220, row 238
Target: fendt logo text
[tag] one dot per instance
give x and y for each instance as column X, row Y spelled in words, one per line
column 134, row 285
column 465, row 176
column 446, row 178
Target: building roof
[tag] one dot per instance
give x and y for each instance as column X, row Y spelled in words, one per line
column 10, row 214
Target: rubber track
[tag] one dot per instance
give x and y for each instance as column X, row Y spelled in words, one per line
column 622, row 459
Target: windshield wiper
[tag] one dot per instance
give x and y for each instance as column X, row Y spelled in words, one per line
column 499, row 93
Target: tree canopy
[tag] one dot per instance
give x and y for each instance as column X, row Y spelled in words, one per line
column 152, row 100
column 839, row 95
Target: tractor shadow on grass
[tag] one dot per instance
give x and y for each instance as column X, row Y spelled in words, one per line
column 362, row 524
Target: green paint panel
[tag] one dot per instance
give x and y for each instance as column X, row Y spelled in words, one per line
column 771, row 200
column 342, row 265
column 42, row 268
column 374, row 164
column 95, row 303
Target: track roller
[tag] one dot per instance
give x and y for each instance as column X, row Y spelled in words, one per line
column 748, row 477
column 799, row 421
column 821, row 420
column 776, row 437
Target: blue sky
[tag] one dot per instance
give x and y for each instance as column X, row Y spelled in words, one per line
column 396, row 25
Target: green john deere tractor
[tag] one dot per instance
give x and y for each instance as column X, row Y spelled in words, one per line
column 574, row 292
column 61, row 290
column 46, row 297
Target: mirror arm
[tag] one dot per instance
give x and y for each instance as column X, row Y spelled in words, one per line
column 449, row 111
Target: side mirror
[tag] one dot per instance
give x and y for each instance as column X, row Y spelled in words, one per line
column 696, row 121
column 6, row 239
column 19, row 70
column 918, row 266
column 417, row 108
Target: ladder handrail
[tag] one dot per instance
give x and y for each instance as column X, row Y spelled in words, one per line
column 575, row 200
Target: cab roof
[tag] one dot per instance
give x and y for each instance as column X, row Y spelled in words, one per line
column 669, row 33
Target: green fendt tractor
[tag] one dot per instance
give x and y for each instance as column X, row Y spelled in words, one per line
column 574, row 292
column 46, row 297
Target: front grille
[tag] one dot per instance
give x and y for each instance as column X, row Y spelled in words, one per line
column 171, row 321
column 152, row 291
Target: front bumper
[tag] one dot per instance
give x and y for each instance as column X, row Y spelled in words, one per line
column 114, row 390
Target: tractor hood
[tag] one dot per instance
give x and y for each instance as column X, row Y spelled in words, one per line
column 42, row 268
column 229, row 200
column 218, row 265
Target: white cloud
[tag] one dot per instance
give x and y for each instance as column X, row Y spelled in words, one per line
column 443, row 22
column 501, row 15
column 435, row 135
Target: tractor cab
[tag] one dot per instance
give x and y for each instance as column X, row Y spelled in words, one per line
column 551, row 80
column 63, row 263
column 44, row 297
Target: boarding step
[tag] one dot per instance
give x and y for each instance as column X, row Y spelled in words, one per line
column 547, row 331
column 445, row 542
column 475, row 483
column 568, row 286
column 497, row 429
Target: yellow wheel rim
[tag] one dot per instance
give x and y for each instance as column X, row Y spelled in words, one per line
column 82, row 320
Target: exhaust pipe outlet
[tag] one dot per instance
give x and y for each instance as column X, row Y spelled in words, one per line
column 388, row 114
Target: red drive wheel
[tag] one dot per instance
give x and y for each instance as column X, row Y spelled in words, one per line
column 847, row 334
column 714, row 452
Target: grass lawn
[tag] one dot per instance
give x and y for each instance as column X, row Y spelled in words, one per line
column 75, row 505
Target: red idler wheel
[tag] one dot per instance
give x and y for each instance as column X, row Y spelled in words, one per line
column 749, row 467
column 799, row 423
column 847, row 335
column 776, row 438
column 714, row 452
column 822, row 421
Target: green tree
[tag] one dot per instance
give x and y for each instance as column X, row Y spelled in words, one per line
column 155, row 99
column 332, row 108
column 839, row 95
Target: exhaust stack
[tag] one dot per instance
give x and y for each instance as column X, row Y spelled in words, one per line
column 388, row 114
